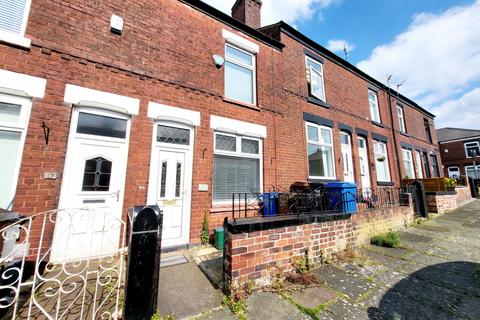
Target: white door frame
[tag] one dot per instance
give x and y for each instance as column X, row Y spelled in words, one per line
column 367, row 175
column 347, row 148
column 153, row 182
column 66, row 186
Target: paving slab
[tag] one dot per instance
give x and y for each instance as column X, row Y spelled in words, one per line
column 184, row 291
column 265, row 305
column 350, row 284
column 313, row 297
column 218, row 314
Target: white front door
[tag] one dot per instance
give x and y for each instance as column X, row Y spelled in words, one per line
column 88, row 223
column 364, row 167
column 346, row 142
column 171, row 180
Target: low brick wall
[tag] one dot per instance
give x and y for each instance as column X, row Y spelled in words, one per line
column 258, row 248
column 441, row 202
column 463, row 194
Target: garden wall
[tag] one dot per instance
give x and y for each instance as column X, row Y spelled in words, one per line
column 258, row 248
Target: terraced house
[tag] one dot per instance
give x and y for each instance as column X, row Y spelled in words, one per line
column 109, row 104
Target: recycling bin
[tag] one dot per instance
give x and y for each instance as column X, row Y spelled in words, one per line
column 342, row 196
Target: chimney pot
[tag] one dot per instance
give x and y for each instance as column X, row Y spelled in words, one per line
column 248, row 12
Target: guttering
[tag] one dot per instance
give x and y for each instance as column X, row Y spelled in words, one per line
column 333, row 57
column 234, row 23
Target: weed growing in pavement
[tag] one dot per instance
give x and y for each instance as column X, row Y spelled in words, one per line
column 158, row 316
column 389, row 240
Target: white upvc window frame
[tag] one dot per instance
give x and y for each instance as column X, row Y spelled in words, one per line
column 321, row 144
column 252, row 68
column 320, row 73
column 20, row 127
column 385, row 155
column 401, row 119
column 407, row 157
column 238, row 154
column 472, row 144
column 457, row 170
column 374, row 107
column 418, row 165
column 467, row 168
column 18, row 38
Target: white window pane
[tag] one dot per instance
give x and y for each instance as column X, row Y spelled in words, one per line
column 239, row 56
column 232, row 175
column 320, row 161
column 225, row 143
column 312, row 133
column 9, row 148
column 250, row 146
column 326, row 136
column 10, row 113
column 316, row 84
column 344, row 139
column 238, row 83
column 315, row 65
column 11, row 15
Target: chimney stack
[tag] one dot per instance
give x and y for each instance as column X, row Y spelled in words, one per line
column 248, row 12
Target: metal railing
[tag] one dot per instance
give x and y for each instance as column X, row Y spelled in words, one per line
column 380, row 198
column 314, row 201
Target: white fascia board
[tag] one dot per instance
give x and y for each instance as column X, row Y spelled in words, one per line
column 238, row 127
column 22, row 84
column 86, row 97
column 164, row 112
column 238, row 41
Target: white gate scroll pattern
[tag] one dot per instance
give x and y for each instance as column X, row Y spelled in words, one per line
column 32, row 286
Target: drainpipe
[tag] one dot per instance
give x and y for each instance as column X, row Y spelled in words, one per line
column 394, row 136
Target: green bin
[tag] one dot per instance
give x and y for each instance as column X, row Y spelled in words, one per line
column 219, row 238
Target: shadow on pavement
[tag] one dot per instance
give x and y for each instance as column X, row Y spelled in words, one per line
column 442, row 291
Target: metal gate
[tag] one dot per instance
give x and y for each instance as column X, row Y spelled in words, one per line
column 417, row 190
column 34, row 287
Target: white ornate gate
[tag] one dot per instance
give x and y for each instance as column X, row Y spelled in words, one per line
column 32, row 286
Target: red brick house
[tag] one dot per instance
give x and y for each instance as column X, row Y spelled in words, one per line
column 460, row 151
column 175, row 103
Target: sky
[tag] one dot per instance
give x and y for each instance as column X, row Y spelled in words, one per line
column 431, row 47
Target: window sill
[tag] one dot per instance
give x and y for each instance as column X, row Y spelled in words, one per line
column 242, row 104
column 378, row 124
column 14, row 39
column 405, row 134
column 385, row 184
column 318, row 102
column 319, row 180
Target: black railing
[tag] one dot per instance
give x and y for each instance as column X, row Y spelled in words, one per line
column 314, row 201
column 281, row 203
column 380, row 198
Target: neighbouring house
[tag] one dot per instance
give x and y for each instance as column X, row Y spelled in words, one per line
column 172, row 102
column 460, row 152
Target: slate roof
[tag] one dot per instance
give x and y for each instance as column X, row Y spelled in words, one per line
column 448, row 134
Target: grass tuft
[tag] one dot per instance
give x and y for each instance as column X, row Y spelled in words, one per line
column 389, row 240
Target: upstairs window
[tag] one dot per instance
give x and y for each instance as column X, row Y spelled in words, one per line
column 239, row 75
column 316, row 86
column 374, row 110
column 381, row 161
column 435, row 168
column 472, row 149
column 401, row 119
column 320, row 152
column 428, row 133
column 13, row 16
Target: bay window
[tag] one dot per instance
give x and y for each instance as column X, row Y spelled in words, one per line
column 237, row 166
column 320, row 152
column 14, row 114
column 381, row 161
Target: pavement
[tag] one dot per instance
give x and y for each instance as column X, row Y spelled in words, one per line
column 435, row 275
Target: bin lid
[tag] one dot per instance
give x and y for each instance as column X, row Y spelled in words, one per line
column 219, row 229
column 341, row 185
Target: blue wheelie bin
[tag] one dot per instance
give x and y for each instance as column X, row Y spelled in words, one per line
column 343, row 196
column 270, row 201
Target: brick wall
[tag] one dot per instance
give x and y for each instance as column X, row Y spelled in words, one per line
column 258, row 255
column 442, row 202
column 463, row 194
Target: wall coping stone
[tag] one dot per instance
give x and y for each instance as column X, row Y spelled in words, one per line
column 261, row 223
